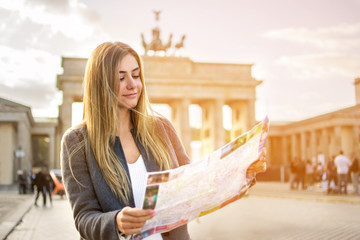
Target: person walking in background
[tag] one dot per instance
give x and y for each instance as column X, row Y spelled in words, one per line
column 331, row 175
column 300, row 174
column 342, row 164
column 354, row 169
column 49, row 184
column 22, row 181
column 309, row 178
column 293, row 176
column 40, row 183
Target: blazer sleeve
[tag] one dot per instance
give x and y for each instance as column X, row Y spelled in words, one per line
column 180, row 233
column 90, row 221
column 180, row 153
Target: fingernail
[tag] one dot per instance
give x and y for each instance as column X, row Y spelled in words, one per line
column 152, row 212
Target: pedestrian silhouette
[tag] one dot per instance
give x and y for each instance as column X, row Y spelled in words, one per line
column 354, row 169
column 342, row 164
column 49, row 183
column 40, row 183
column 331, row 176
column 22, row 181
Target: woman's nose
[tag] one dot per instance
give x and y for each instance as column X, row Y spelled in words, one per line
column 131, row 82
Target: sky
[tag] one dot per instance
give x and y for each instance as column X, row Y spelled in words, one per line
column 307, row 53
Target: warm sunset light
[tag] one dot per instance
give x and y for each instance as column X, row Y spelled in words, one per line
column 306, row 52
column 255, row 132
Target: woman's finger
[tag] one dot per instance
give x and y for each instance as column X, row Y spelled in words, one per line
column 131, row 220
column 136, row 212
column 131, row 231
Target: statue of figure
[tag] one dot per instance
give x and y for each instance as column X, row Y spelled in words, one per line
column 156, row 44
column 181, row 43
column 157, row 14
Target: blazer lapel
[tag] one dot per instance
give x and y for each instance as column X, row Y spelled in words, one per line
column 149, row 160
column 106, row 197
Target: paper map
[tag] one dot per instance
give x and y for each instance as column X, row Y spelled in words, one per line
column 194, row 190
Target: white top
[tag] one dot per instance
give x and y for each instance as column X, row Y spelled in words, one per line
column 342, row 163
column 138, row 172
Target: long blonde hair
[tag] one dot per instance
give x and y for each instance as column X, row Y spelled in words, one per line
column 100, row 116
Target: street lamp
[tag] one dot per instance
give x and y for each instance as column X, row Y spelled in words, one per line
column 20, row 154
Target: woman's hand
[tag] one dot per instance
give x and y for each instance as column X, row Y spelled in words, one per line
column 258, row 166
column 131, row 220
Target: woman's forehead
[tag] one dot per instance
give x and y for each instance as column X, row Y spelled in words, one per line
column 128, row 63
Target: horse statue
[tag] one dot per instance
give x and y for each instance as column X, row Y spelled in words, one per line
column 181, row 43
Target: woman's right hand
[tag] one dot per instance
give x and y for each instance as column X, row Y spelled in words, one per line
column 131, row 220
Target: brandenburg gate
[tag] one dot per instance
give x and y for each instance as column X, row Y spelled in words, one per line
column 180, row 82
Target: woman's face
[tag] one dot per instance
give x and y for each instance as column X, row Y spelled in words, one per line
column 130, row 82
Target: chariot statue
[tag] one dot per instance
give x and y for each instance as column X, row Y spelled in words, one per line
column 156, row 45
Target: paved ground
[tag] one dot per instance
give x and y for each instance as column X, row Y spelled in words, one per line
column 270, row 211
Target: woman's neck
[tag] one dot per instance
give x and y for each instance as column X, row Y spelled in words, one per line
column 124, row 124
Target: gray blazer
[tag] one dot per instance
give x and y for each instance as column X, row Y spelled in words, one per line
column 93, row 203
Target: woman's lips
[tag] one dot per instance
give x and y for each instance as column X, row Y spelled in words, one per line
column 130, row 95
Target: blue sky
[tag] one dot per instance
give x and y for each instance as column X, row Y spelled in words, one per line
column 306, row 52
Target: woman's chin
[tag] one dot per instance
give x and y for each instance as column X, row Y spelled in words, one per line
column 126, row 105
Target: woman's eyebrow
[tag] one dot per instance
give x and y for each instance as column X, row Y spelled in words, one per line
column 135, row 69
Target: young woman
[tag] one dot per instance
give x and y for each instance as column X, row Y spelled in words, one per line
column 105, row 159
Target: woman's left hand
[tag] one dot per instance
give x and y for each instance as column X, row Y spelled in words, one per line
column 258, row 166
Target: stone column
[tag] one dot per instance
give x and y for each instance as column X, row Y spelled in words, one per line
column 52, row 157
column 251, row 113
column 357, row 90
column 294, row 143
column 180, row 120
column 313, row 144
column 356, row 135
column 284, row 151
column 239, row 118
column 66, row 113
column 24, row 140
column 324, row 143
column 337, row 135
column 212, row 133
column 219, row 132
column 303, row 146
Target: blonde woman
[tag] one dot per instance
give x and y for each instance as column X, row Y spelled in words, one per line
column 105, row 159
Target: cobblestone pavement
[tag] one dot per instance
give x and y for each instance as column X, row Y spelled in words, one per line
column 280, row 218
column 12, row 208
column 270, row 211
column 9, row 202
column 51, row 223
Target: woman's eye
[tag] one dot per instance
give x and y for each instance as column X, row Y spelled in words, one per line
column 122, row 78
column 136, row 76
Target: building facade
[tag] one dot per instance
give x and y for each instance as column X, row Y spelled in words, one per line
column 24, row 142
column 316, row 138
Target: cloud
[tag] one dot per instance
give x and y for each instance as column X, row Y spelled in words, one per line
column 321, row 66
column 35, row 34
column 339, row 37
column 41, row 97
column 20, row 66
column 28, row 77
column 36, row 25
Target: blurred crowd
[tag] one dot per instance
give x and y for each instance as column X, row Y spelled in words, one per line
column 39, row 182
column 332, row 175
